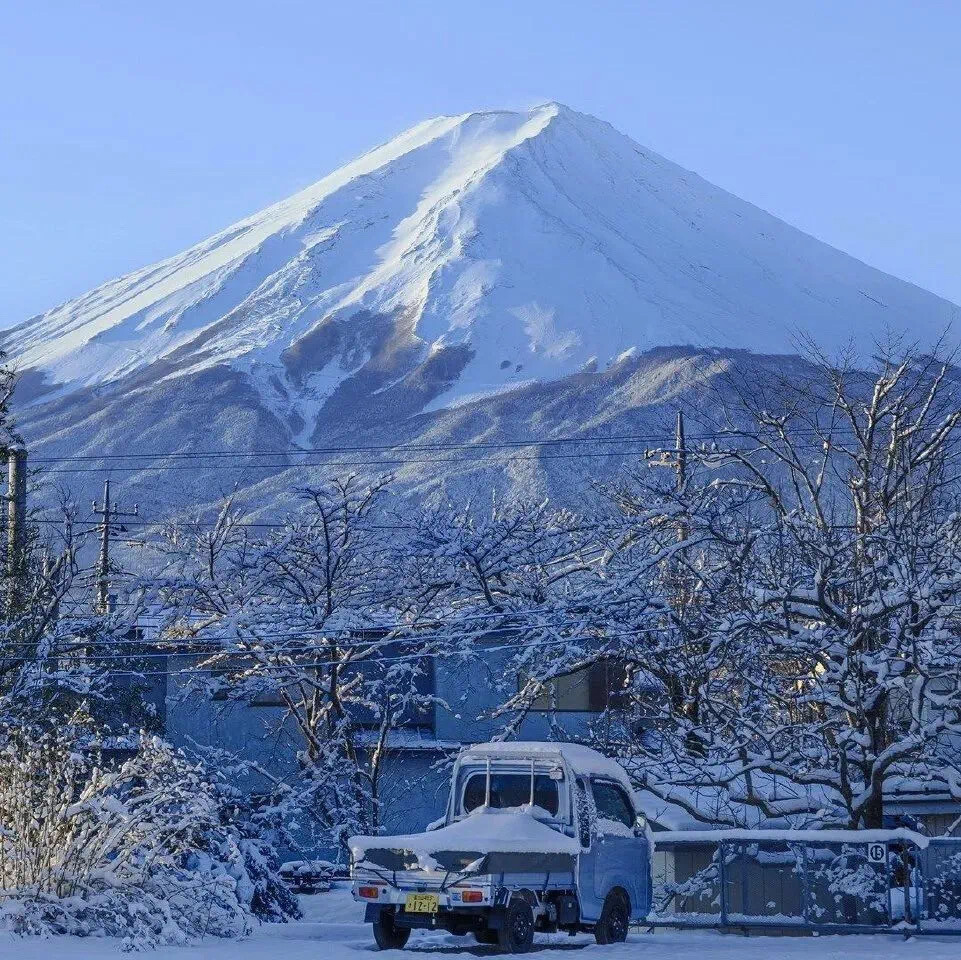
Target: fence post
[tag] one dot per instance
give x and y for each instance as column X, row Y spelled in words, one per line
column 722, row 880
column 917, row 883
column 906, row 868
column 887, row 880
column 805, row 883
column 742, row 865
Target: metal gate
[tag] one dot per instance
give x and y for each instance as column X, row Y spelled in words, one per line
column 938, row 879
column 832, row 881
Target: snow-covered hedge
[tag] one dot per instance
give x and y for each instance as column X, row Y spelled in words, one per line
column 151, row 850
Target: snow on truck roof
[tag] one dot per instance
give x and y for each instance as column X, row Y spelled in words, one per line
column 581, row 759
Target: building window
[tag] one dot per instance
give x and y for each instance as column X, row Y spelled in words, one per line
column 592, row 689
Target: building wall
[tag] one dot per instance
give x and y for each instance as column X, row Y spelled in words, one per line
column 473, row 690
column 415, row 781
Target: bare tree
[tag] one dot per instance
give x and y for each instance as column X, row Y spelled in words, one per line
column 326, row 617
column 524, row 577
column 824, row 668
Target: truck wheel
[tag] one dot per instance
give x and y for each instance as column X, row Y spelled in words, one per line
column 388, row 936
column 517, row 933
column 615, row 919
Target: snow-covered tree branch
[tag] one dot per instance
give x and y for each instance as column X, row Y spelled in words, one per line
column 811, row 661
column 329, row 618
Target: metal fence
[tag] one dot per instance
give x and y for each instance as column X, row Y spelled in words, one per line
column 881, row 881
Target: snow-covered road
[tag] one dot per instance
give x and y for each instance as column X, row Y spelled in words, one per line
column 332, row 930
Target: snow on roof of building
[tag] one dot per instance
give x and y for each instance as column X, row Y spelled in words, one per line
column 410, row 738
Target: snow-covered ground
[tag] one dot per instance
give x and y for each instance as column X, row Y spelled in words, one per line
column 332, row 929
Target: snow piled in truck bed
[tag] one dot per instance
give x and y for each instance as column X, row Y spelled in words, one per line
column 484, row 831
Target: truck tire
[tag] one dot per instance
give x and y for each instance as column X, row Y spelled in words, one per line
column 516, row 935
column 615, row 919
column 386, row 935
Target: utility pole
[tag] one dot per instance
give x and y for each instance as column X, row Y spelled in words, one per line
column 680, row 452
column 111, row 514
column 675, row 459
column 680, row 456
column 16, row 524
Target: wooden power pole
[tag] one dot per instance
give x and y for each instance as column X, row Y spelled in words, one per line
column 16, row 524
column 675, row 459
column 680, row 452
column 111, row 515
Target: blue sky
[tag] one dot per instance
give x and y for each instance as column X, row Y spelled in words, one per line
column 129, row 131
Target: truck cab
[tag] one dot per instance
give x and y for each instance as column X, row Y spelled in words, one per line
column 535, row 837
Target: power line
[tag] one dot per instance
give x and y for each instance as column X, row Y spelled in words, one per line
column 160, row 521
column 286, row 651
column 394, row 461
column 409, row 461
column 433, row 623
column 280, row 467
column 360, row 448
column 667, row 435
column 328, row 663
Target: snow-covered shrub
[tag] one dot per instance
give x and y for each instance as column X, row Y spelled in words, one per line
column 845, row 888
column 700, row 893
column 147, row 851
column 245, row 844
column 942, row 889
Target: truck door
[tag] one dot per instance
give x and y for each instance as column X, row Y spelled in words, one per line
column 586, row 818
column 620, row 855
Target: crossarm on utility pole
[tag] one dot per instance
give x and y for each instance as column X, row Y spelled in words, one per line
column 111, row 514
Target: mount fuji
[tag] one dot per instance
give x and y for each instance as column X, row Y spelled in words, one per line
column 486, row 277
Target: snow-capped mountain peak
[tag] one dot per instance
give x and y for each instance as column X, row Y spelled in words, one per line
column 464, row 258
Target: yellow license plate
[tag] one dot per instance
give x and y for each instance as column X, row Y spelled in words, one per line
column 421, row 903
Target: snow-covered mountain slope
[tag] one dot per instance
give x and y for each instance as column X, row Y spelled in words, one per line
column 470, row 257
column 540, row 241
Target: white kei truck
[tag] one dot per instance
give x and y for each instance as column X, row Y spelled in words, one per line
column 536, row 837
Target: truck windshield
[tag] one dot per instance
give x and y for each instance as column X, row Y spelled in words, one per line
column 511, row 790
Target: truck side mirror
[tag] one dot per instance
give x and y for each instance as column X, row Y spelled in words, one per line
column 585, row 832
column 640, row 825
column 585, row 818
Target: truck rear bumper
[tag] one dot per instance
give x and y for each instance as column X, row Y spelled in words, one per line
column 463, row 918
column 396, row 895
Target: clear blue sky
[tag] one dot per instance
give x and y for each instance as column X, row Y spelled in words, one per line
column 130, row 130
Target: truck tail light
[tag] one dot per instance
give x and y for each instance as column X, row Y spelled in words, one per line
column 368, row 893
column 472, row 896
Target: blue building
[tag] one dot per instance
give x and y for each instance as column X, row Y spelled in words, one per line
column 414, row 782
